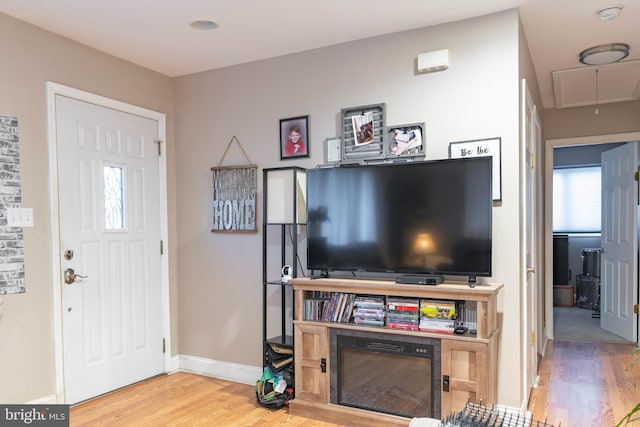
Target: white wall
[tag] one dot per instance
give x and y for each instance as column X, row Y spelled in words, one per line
column 477, row 97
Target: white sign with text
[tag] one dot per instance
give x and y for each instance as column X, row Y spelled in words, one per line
column 482, row 148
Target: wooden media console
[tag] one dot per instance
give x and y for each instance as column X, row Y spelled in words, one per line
column 468, row 361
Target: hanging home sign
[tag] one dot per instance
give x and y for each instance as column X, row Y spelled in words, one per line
column 234, row 198
column 235, row 189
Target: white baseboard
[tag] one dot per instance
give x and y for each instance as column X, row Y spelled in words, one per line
column 244, row 374
column 172, row 364
column 47, row 400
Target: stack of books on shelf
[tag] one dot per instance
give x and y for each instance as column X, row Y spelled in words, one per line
column 402, row 313
column 368, row 310
column 438, row 316
column 278, row 357
column 316, row 304
column 338, row 308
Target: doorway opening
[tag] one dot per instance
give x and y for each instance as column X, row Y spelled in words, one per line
column 571, row 305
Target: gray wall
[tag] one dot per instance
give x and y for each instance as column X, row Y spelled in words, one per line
column 477, row 97
column 31, row 57
column 621, row 117
column 581, row 155
column 216, row 303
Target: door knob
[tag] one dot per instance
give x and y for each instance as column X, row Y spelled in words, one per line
column 70, row 276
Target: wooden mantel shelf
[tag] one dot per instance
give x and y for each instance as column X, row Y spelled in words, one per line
column 461, row 291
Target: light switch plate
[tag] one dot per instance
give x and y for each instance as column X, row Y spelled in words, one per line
column 19, row 217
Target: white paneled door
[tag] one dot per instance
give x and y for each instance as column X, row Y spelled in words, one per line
column 530, row 136
column 619, row 271
column 109, row 210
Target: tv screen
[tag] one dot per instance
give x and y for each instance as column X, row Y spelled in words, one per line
column 431, row 217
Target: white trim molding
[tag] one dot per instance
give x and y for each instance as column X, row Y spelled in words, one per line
column 550, row 144
column 244, row 374
column 46, row 400
column 53, row 90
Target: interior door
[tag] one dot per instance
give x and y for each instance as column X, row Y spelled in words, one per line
column 108, row 171
column 529, row 129
column 619, row 272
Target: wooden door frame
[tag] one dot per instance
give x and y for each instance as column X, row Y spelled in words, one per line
column 54, row 89
column 550, row 144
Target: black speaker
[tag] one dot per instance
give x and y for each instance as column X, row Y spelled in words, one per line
column 561, row 272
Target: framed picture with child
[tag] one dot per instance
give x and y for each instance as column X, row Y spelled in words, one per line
column 294, row 137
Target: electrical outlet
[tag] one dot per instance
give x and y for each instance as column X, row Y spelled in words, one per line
column 19, row 217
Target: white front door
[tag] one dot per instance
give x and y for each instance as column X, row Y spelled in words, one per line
column 619, row 277
column 109, row 210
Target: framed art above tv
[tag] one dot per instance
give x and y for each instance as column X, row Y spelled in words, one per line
column 404, row 141
column 363, row 133
column 488, row 147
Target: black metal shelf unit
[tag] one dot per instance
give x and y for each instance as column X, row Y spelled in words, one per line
column 283, row 225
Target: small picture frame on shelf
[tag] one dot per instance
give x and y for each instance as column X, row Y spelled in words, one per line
column 488, row 147
column 363, row 128
column 294, row 137
column 405, row 140
column 332, row 150
column 363, row 133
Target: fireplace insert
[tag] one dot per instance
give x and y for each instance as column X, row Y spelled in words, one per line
column 390, row 373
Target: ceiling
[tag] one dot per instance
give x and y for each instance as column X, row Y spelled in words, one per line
column 156, row 33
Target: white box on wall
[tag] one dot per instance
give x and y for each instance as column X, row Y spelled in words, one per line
column 438, row 60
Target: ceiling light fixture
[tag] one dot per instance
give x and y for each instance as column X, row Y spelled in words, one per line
column 604, row 54
column 203, row 25
column 610, row 12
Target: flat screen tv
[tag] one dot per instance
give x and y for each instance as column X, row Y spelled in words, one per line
column 416, row 218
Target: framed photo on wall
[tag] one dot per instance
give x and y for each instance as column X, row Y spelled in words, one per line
column 363, row 133
column 294, row 137
column 482, row 148
column 404, row 140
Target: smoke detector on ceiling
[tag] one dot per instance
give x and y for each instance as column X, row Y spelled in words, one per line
column 610, row 12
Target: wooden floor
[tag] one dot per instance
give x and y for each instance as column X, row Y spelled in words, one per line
column 581, row 385
column 586, row 384
column 184, row 399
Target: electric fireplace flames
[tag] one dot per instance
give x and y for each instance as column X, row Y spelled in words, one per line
column 389, row 373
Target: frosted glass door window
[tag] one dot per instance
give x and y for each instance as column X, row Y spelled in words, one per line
column 113, row 198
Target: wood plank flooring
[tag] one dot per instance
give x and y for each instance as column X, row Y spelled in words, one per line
column 581, row 385
column 184, row 399
column 585, row 384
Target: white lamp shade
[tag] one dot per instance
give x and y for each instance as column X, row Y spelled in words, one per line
column 280, row 196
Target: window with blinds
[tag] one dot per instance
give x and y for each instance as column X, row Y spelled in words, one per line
column 576, row 200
